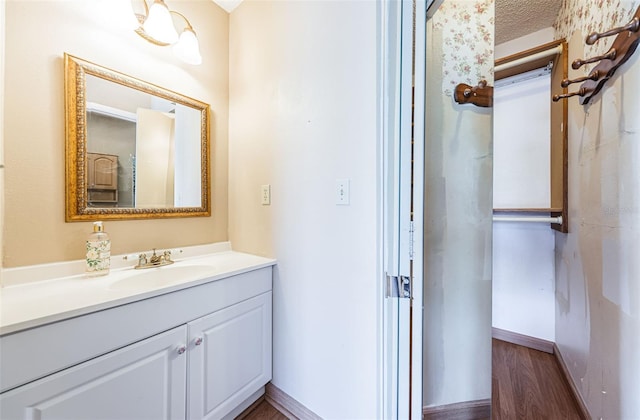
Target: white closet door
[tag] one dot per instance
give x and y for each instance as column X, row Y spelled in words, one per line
column 403, row 132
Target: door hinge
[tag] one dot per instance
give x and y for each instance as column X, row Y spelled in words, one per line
column 399, row 287
column 411, row 239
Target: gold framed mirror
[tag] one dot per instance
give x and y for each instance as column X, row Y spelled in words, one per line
column 134, row 150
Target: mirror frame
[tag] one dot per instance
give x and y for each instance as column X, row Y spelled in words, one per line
column 76, row 145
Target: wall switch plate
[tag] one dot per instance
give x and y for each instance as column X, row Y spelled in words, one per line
column 265, row 196
column 342, row 192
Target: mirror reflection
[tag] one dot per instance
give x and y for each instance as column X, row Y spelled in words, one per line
column 133, row 149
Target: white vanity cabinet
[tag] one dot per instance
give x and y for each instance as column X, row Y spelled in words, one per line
column 196, row 353
column 230, row 358
column 145, row 380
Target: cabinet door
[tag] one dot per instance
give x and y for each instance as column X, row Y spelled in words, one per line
column 145, row 380
column 103, row 171
column 229, row 357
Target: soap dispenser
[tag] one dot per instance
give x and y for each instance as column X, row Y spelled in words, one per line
column 98, row 252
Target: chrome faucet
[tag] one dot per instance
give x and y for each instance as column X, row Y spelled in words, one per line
column 154, row 260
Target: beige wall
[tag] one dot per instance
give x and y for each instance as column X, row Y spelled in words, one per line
column 2, row 41
column 597, row 266
column 38, row 33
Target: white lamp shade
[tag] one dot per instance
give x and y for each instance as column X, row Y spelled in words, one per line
column 187, row 48
column 159, row 25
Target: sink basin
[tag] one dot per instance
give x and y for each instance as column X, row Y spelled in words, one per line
column 152, row 278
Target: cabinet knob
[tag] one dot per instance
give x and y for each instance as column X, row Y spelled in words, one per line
column 197, row 341
column 181, row 349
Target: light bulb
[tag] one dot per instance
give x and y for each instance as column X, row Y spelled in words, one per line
column 159, row 25
column 187, row 48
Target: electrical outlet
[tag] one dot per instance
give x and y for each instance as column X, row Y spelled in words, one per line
column 266, row 195
column 342, row 192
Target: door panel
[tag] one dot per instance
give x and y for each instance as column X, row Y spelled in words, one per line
column 229, row 357
column 145, row 380
column 458, row 210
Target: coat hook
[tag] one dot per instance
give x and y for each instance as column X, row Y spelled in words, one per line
column 610, row 55
column 632, row 26
column 579, row 92
column 595, row 75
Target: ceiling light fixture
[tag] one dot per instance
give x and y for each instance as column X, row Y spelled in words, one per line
column 157, row 26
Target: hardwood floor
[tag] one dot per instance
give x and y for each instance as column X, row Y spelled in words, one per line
column 528, row 384
column 262, row 411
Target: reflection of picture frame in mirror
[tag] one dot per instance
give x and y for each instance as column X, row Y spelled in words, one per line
column 147, row 147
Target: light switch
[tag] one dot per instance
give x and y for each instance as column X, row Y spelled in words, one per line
column 266, row 195
column 342, row 192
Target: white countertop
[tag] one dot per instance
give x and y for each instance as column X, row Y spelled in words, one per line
column 35, row 303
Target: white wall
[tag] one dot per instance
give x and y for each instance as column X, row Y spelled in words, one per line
column 521, row 145
column 302, row 114
column 523, row 254
column 524, row 279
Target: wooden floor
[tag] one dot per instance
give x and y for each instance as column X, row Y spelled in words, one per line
column 527, row 384
column 262, row 411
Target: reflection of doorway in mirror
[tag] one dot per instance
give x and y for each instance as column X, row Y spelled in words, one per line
column 168, row 164
column 154, row 158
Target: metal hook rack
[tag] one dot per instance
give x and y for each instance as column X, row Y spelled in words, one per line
column 623, row 47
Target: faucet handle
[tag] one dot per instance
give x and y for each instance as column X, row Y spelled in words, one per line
column 155, row 259
column 167, row 255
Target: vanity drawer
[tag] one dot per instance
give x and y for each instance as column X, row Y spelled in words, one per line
column 34, row 353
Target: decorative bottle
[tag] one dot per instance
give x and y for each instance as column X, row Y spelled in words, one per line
column 98, row 251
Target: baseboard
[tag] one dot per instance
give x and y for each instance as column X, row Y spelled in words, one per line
column 582, row 407
column 523, row 340
column 468, row 410
column 287, row 405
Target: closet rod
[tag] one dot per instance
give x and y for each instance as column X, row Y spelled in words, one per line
column 531, row 219
column 542, row 54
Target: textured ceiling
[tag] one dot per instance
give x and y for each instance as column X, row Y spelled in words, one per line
column 516, row 18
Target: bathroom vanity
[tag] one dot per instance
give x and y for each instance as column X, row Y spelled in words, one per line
column 190, row 340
